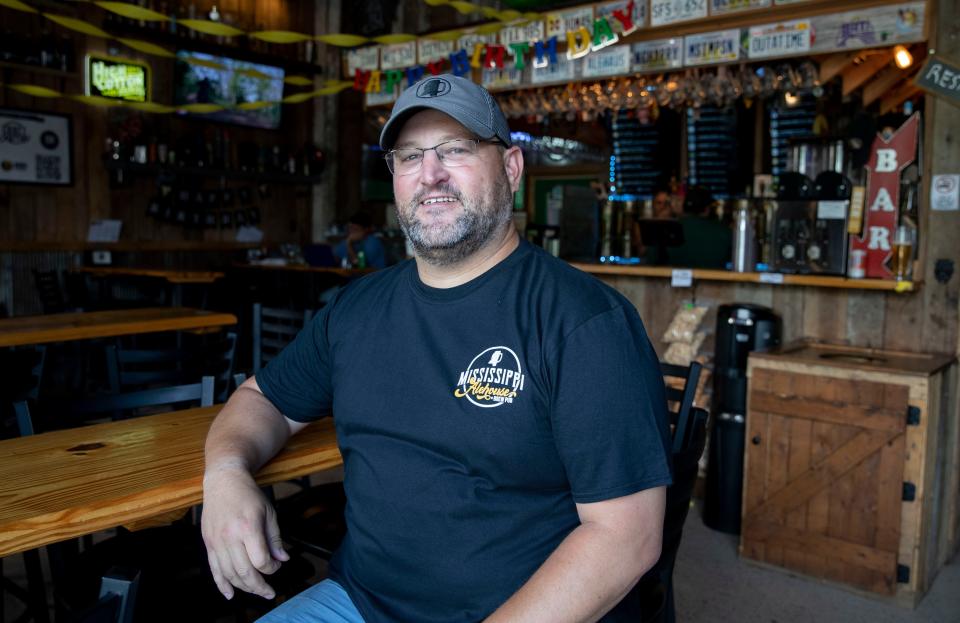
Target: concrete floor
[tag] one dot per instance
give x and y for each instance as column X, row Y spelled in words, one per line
column 713, row 584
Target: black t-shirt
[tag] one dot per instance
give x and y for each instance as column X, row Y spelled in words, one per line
column 471, row 420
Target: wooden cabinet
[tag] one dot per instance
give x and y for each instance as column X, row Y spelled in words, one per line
column 850, row 468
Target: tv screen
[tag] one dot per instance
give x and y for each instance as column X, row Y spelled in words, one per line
column 207, row 79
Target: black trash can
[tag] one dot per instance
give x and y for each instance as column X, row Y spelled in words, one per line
column 724, row 487
column 741, row 329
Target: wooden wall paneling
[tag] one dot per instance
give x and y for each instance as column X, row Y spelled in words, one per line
column 789, row 304
column 950, row 535
column 865, row 318
column 753, row 294
column 939, row 229
column 825, row 314
column 903, row 322
column 711, row 294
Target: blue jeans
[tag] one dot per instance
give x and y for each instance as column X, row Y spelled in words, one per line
column 325, row 602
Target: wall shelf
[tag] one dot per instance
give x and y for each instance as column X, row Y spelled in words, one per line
column 210, row 172
column 775, row 279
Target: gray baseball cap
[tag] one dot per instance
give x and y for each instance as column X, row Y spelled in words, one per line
column 461, row 98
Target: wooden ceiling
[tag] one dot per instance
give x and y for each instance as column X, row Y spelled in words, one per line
column 874, row 74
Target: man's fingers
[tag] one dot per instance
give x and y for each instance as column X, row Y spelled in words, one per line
column 222, row 585
column 246, row 576
column 275, row 543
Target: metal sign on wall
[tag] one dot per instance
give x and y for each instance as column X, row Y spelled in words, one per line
column 940, row 77
column 889, row 156
column 35, row 148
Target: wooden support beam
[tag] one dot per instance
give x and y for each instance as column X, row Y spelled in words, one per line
column 855, row 76
column 834, row 65
column 904, row 91
column 884, row 83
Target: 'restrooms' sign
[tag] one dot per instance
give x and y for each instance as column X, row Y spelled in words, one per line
column 119, row 79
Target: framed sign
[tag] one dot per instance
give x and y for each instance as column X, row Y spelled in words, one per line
column 35, row 148
column 117, row 78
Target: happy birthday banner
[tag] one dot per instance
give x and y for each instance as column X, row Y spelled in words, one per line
column 580, row 43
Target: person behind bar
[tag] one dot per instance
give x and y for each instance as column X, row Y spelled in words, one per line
column 361, row 239
column 501, row 415
column 708, row 243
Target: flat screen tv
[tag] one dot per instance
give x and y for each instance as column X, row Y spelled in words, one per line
column 207, row 79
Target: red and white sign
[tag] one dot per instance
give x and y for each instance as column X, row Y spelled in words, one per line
column 888, row 158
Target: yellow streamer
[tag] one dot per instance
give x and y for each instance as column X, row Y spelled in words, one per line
column 508, row 14
column 151, row 107
column 204, row 63
column 253, row 73
column 280, row 36
column 201, row 108
column 96, row 100
column 76, row 25
column 334, row 88
column 254, row 105
column 34, row 90
column 299, row 81
column 345, row 41
column 435, row 2
column 133, row 11
column 147, row 47
column 464, row 7
column 211, row 28
column 297, row 98
column 16, row 5
column 397, row 38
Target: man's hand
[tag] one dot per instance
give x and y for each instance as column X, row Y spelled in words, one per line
column 239, row 527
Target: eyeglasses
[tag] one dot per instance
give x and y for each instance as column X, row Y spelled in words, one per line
column 459, row 152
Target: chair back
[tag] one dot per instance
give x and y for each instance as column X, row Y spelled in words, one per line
column 680, row 399
column 689, row 435
column 50, row 291
column 220, row 359
column 118, row 595
column 201, row 392
column 274, row 328
column 129, row 368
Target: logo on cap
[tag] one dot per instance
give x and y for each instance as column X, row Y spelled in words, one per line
column 435, row 87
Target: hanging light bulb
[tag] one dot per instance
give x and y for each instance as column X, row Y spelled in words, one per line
column 902, row 57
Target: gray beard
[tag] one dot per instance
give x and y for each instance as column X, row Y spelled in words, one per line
column 479, row 221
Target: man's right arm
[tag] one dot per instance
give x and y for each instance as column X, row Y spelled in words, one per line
column 239, row 524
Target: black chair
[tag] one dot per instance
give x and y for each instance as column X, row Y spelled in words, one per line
column 130, row 369
column 219, row 359
column 118, row 587
column 175, row 396
column 274, row 328
column 141, row 368
column 23, row 369
column 118, row 594
column 689, row 435
column 50, row 291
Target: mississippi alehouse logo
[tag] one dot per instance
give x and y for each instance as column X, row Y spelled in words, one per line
column 492, row 379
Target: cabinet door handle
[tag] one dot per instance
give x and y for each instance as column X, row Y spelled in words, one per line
column 756, row 440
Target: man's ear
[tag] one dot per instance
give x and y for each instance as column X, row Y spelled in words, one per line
column 513, row 166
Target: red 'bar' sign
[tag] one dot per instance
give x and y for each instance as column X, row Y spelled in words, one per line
column 888, row 158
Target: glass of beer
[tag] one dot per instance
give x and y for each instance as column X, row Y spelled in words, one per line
column 901, row 262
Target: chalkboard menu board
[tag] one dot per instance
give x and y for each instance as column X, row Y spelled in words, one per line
column 712, row 149
column 789, row 124
column 645, row 152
